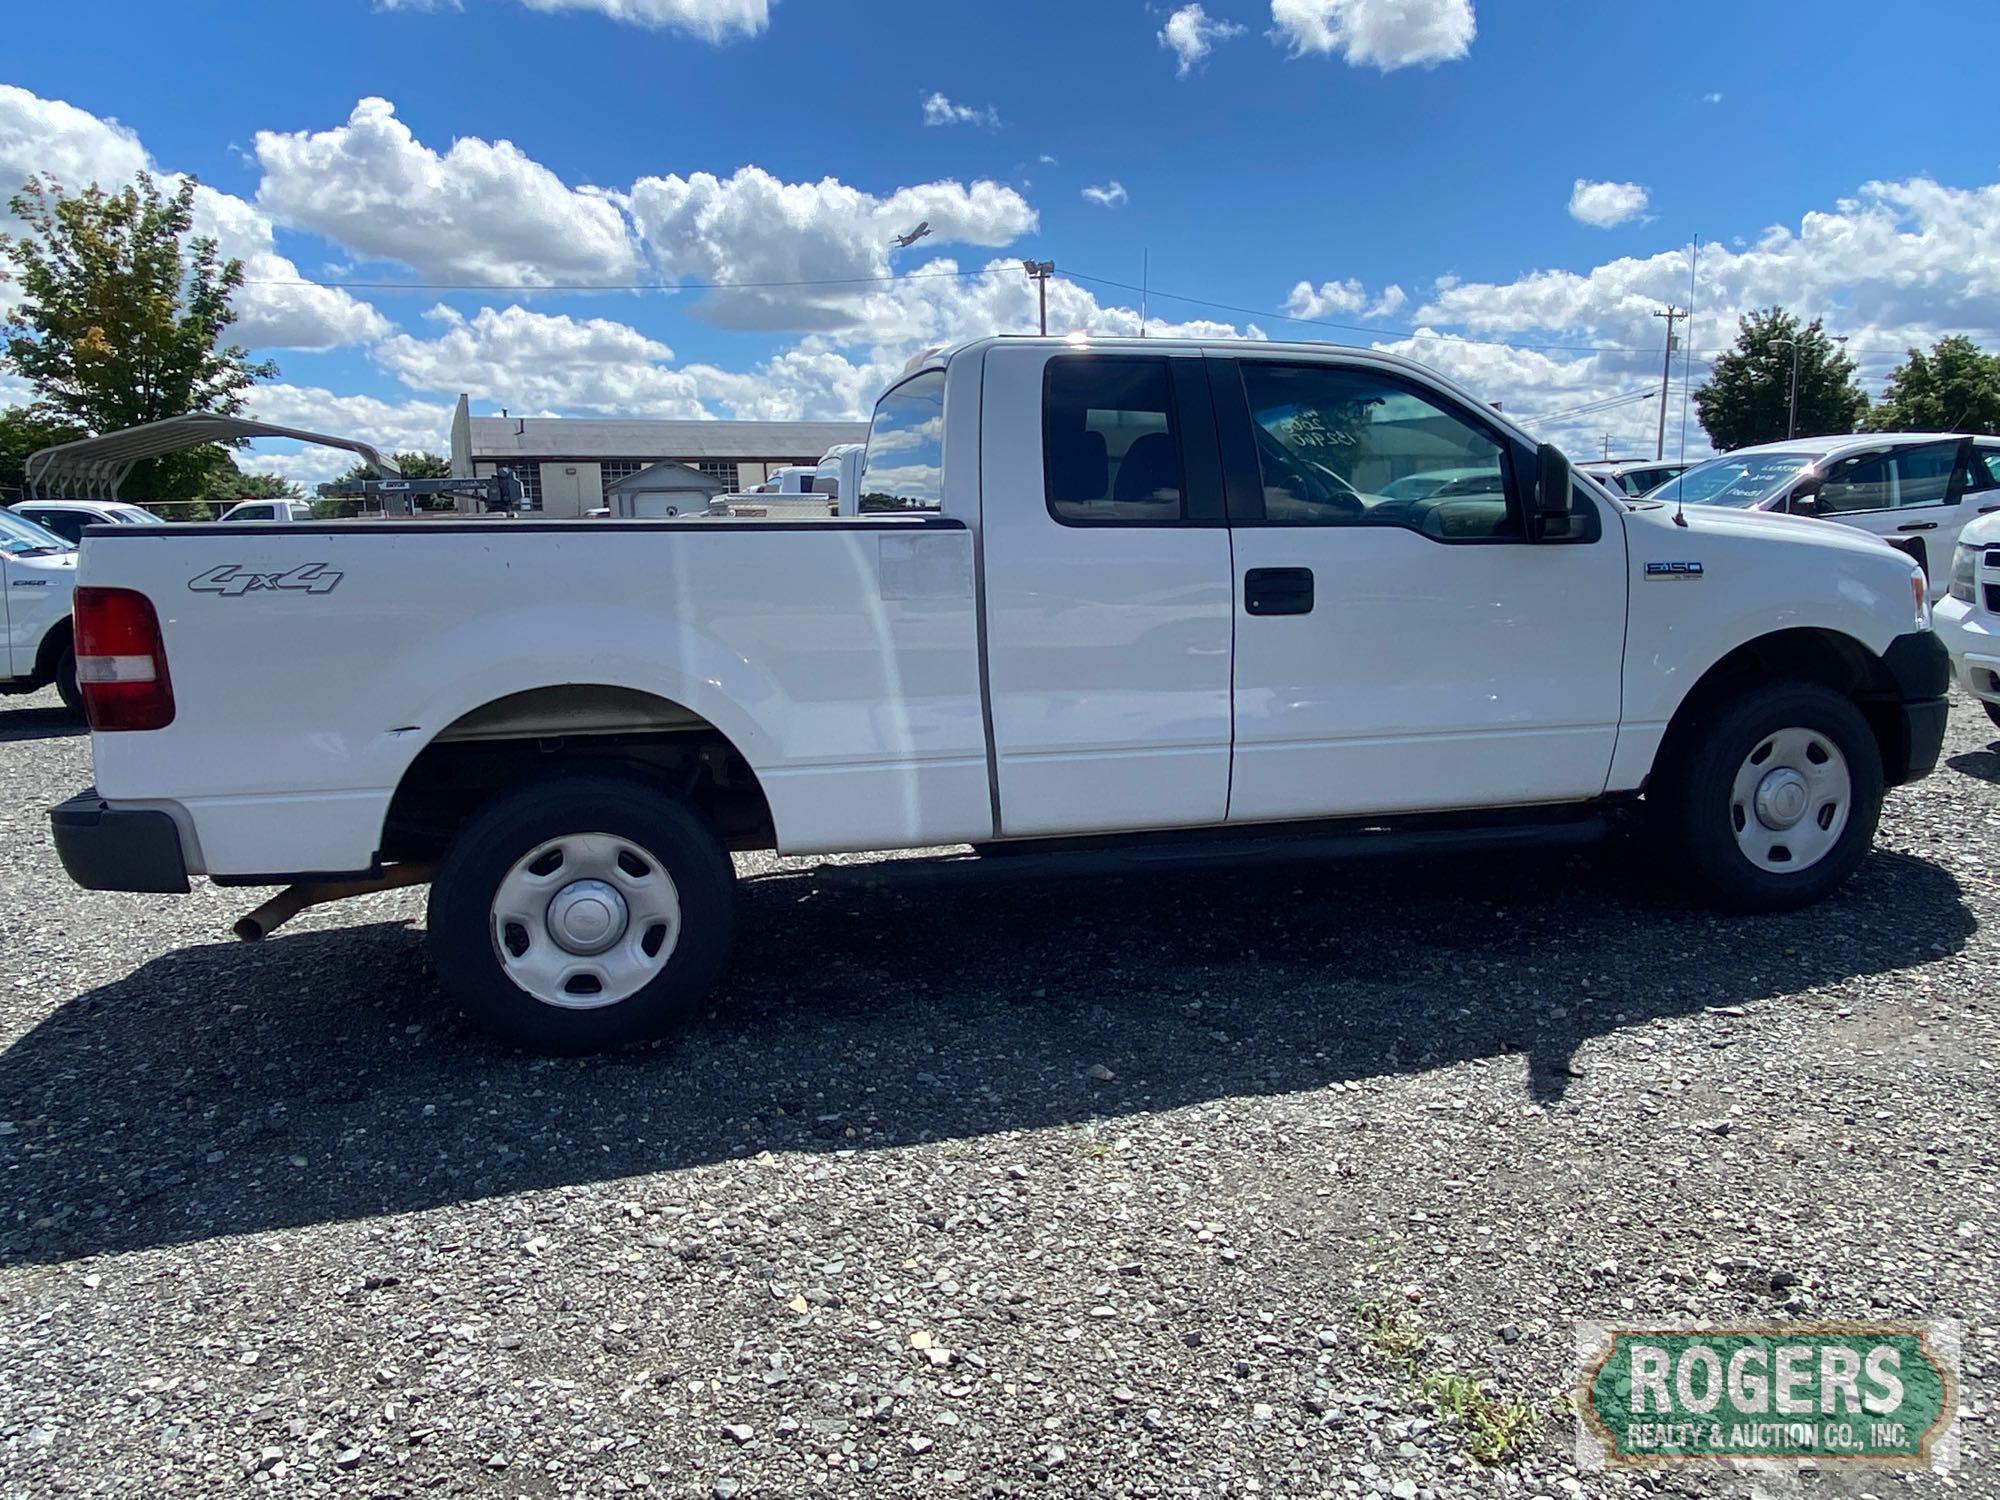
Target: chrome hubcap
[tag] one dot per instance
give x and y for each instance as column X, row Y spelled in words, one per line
column 585, row 920
column 1791, row 800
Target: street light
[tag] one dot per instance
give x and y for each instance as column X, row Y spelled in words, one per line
column 1792, row 405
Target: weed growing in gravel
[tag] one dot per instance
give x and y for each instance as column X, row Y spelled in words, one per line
column 1495, row 1431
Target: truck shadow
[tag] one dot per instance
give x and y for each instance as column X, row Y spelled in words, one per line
column 317, row 1078
column 37, row 724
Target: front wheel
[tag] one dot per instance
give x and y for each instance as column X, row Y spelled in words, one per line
column 1992, row 712
column 581, row 913
column 1772, row 802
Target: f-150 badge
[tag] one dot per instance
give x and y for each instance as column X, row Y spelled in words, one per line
column 232, row 581
column 1672, row 570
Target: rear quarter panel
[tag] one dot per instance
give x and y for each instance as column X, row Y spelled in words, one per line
column 841, row 661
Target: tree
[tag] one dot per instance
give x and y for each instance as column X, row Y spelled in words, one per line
column 1954, row 388
column 1747, row 398
column 25, row 430
column 122, row 315
column 227, row 489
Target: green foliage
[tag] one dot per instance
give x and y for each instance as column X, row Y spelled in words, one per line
column 121, row 319
column 1494, row 1430
column 416, row 465
column 1954, row 388
column 25, row 430
column 1747, row 396
column 225, row 489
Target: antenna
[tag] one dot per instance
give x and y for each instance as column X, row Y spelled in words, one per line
column 1145, row 279
column 1687, row 384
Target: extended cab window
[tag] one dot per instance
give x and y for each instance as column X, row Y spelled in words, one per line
column 904, row 468
column 1110, row 448
column 1351, row 447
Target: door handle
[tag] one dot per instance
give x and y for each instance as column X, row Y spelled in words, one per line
column 1987, row 510
column 1919, row 526
column 1278, row 591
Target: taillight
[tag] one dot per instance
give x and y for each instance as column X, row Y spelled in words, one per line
column 121, row 661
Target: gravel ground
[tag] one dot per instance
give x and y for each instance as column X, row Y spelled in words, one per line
column 974, row 1187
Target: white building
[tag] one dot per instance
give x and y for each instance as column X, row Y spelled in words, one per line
column 564, row 463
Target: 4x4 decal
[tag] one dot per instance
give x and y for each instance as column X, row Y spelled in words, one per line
column 232, row 581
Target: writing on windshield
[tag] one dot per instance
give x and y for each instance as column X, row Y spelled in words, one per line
column 1740, row 482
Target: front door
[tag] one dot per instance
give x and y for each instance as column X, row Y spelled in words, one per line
column 1907, row 495
column 1401, row 645
column 1107, row 605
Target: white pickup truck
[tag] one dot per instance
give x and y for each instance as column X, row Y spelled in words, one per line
column 1104, row 593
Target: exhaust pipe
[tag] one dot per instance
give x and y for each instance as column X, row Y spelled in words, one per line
column 254, row 927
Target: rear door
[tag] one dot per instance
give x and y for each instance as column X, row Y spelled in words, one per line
column 1410, row 650
column 1907, row 494
column 1106, row 569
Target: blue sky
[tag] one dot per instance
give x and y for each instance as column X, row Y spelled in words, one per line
column 1460, row 178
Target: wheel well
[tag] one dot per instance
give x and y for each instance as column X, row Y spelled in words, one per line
column 1825, row 657
column 50, row 651
column 545, row 731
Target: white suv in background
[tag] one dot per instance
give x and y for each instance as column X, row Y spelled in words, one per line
column 1915, row 490
column 1967, row 619
column 67, row 518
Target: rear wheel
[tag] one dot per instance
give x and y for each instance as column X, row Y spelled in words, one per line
column 1773, row 800
column 66, row 686
column 582, row 913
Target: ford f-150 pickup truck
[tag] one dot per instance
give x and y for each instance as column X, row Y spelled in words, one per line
column 1097, row 593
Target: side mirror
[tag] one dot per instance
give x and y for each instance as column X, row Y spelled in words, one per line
column 1552, row 490
column 1804, row 499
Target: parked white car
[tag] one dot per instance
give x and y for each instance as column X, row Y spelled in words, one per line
column 1915, row 490
column 37, row 577
column 67, row 518
column 1968, row 618
column 268, row 510
column 1126, row 594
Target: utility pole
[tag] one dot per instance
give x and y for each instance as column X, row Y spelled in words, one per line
column 1672, row 314
column 1039, row 272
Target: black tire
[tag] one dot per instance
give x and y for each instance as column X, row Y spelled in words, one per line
column 66, row 684
column 464, row 945
column 1992, row 712
column 1692, row 813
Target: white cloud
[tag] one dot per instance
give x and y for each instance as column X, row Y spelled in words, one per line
column 482, row 211
column 390, row 425
column 77, row 148
column 1606, row 205
column 530, row 361
column 1191, row 35
column 751, row 227
column 1387, row 34
column 1711, row 98
column 938, row 110
column 1331, row 299
column 1108, row 196
column 711, row 20
column 1047, row 160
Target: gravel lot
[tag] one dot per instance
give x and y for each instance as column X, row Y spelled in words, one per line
column 977, row 1187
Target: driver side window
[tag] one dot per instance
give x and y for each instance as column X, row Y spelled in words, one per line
column 1350, row 447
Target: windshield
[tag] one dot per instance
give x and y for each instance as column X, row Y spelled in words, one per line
column 1738, row 481
column 20, row 537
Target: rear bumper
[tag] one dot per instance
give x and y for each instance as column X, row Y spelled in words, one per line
column 106, row 848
